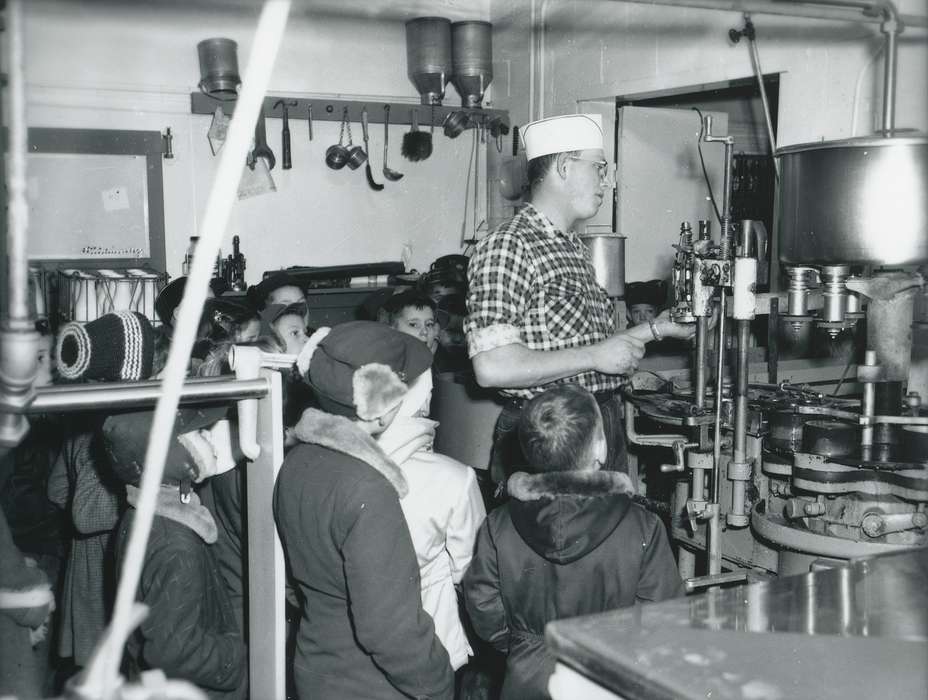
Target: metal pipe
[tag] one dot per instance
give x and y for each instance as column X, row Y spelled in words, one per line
column 725, row 251
column 717, row 446
column 702, row 330
column 714, row 541
column 18, row 214
column 891, row 28
column 738, row 468
column 789, row 9
column 755, row 59
column 741, row 401
column 868, row 404
column 55, row 399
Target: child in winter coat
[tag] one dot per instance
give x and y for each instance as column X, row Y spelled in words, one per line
column 190, row 631
column 569, row 542
column 443, row 510
column 363, row 632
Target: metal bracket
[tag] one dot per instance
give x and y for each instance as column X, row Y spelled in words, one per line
column 496, row 121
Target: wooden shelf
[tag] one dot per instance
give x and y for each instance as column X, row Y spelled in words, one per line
column 323, row 110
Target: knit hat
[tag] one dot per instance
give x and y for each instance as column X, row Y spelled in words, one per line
column 125, row 439
column 117, row 346
column 362, row 369
column 571, row 132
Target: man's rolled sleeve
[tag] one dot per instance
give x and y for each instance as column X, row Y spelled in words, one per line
column 499, row 285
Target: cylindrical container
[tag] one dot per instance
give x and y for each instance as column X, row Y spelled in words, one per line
column 915, row 443
column 786, row 430
column 608, row 253
column 834, row 292
column 471, row 60
column 888, row 403
column 428, row 56
column 854, row 201
column 219, row 67
column 829, row 438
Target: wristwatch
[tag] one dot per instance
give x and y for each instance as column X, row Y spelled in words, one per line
column 656, row 333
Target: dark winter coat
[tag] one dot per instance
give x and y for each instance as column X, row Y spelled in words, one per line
column 190, row 631
column 566, row 544
column 363, row 632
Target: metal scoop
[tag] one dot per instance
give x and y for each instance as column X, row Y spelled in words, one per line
column 388, row 173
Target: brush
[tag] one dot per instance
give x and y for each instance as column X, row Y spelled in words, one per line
column 417, row 145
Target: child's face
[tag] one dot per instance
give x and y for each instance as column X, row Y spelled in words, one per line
column 288, row 294
column 419, row 323
column 292, row 330
column 641, row 313
column 44, row 360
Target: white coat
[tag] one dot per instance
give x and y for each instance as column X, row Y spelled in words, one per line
column 444, row 511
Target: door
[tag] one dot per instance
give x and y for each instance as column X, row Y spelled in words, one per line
column 661, row 183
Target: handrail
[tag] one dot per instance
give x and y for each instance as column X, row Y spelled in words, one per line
column 120, row 395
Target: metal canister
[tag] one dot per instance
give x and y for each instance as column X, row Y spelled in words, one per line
column 219, row 67
column 471, row 60
column 608, row 253
column 428, row 56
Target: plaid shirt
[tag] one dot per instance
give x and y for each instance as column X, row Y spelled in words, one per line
column 532, row 284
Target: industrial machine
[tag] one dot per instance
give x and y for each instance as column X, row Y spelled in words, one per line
column 774, row 477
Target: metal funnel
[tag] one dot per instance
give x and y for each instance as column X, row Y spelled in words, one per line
column 471, row 60
column 428, row 56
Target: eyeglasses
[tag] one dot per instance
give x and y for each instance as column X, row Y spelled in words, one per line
column 604, row 169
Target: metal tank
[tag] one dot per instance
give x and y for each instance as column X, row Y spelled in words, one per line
column 472, row 60
column 854, row 201
column 428, row 56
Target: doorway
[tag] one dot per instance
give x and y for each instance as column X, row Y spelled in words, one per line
column 753, row 174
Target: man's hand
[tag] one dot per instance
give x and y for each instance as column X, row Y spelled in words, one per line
column 669, row 329
column 618, row 354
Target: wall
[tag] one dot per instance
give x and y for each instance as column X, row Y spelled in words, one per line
column 132, row 66
column 592, row 50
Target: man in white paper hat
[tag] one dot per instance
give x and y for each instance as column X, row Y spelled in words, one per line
column 536, row 315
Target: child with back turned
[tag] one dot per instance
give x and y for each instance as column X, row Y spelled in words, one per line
column 569, row 541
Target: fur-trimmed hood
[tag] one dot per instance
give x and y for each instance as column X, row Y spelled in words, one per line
column 565, row 515
column 192, row 514
column 342, row 435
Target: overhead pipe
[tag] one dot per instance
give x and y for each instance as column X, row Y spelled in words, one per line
column 870, row 13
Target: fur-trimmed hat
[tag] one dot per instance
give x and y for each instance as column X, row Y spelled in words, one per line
column 362, row 369
column 117, row 346
column 125, row 439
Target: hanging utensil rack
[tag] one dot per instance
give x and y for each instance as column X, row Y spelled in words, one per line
column 496, row 120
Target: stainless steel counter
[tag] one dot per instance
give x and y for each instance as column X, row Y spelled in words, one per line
column 855, row 632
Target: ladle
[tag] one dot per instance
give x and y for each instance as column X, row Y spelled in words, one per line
column 388, row 173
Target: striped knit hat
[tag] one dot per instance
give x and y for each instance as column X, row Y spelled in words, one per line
column 114, row 347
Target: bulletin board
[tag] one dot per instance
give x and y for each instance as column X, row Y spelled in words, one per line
column 95, row 198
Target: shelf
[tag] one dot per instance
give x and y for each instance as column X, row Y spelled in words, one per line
column 324, row 110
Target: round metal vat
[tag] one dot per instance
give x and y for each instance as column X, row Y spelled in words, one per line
column 608, row 253
column 855, row 201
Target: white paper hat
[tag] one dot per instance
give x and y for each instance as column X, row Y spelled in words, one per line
column 571, row 132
